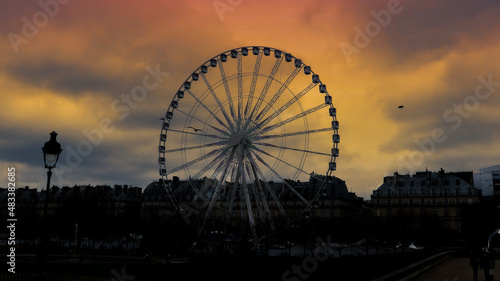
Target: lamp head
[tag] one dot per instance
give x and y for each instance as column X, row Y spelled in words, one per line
column 51, row 151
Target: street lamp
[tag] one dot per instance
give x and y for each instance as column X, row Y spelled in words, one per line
column 51, row 151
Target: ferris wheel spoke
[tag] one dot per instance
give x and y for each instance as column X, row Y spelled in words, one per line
column 249, row 208
column 295, row 149
column 306, row 132
column 261, row 200
column 278, row 94
column 194, row 161
column 229, row 210
column 219, row 167
column 262, row 96
column 253, row 84
column 196, row 134
column 203, row 122
column 197, row 146
column 280, row 160
column 258, row 202
column 217, row 101
column 226, row 87
column 189, row 183
column 293, row 118
column 218, row 159
column 220, row 182
column 207, row 109
column 246, row 193
column 240, row 86
column 257, row 173
column 183, row 186
column 279, row 176
column 286, row 105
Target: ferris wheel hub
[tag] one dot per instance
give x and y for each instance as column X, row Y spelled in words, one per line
column 235, row 138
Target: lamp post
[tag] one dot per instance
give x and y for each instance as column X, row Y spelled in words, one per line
column 51, row 151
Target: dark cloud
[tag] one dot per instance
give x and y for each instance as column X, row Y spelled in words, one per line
column 110, row 161
column 422, row 28
column 460, row 116
column 63, row 77
column 19, row 145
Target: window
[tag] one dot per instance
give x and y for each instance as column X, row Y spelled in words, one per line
column 389, row 202
column 412, row 183
column 389, row 211
column 458, row 201
column 446, row 213
column 457, row 182
column 422, row 202
column 446, row 201
column 422, row 183
column 422, row 192
column 378, row 202
column 434, row 202
column 400, row 202
column 411, row 202
column 434, row 212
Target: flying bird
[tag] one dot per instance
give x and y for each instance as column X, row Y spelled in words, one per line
column 195, row 130
column 401, row 106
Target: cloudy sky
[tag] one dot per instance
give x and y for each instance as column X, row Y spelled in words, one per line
column 65, row 66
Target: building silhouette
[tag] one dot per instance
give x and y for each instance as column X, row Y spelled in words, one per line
column 425, row 203
column 432, row 200
column 335, row 204
column 104, row 211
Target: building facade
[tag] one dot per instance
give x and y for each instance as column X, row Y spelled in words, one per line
column 426, row 199
column 334, row 204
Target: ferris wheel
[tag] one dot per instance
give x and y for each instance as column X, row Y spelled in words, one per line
column 241, row 138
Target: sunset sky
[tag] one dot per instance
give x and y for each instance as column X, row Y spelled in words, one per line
column 66, row 65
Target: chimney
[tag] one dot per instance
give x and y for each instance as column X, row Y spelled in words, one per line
column 428, row 174
column 396, row 178
column 441, row 176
